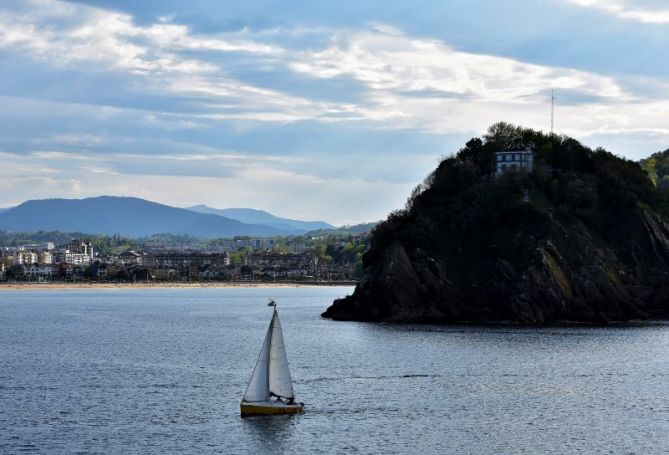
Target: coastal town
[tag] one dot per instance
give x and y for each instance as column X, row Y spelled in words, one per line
column 244, row 260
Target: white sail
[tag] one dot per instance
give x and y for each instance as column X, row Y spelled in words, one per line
column 279, row 376
column 258, row 388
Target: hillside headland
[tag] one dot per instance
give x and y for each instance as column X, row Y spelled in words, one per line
column 580, row 237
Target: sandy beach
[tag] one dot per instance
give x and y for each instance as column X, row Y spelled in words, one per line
column 211, row 284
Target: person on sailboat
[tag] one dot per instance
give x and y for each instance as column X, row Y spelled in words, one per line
column 290, row 400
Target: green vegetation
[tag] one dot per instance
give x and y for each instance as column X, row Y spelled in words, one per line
column 18, row 238
column 462, row 213
column 102, row 243
column 111, row 244
column 657, row 168
column 355, row 229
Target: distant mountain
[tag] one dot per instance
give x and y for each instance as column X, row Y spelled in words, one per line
column 360, row 228
column 127, row 216
column 253, row 216
column 355, row 229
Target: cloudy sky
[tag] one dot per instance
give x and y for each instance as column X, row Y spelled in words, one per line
column 329, row 110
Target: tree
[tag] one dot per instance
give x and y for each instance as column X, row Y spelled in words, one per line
column 649, row 167
column 123, row 275
column 319, row 250
column 479, row 154
column 505, row 136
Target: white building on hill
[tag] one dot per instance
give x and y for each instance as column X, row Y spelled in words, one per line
column 514, row 160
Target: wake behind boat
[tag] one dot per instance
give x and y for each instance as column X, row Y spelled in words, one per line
column 270, row 390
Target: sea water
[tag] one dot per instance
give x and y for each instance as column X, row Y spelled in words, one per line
column 163, row 371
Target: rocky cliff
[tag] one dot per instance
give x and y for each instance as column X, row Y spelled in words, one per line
column 581, row 239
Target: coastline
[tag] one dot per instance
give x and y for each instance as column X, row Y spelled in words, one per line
column 207, row 284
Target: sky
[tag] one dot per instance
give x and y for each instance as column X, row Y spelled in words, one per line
column 328, row 110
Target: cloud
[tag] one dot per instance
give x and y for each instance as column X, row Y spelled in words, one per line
column 429, row 85
column 314, row 117
column 154, row 57
column 404, row 81
column 285, row 192
column 409, row 65
column 66, row 34
column 628, row 9
column 357, row 199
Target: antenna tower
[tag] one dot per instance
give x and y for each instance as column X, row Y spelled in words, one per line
column 552, row 110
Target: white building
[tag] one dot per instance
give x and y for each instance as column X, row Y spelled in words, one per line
column 81, row 247
column 77, row 258
column 26, row 257
column 514, row 160
column 45, row 257
column 44, row 246
column 39, row 271
column 70, row 256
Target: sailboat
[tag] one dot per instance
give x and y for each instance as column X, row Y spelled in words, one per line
column 270, row 390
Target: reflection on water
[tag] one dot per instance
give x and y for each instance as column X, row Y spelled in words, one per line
column 163, row 371
column 268, row 435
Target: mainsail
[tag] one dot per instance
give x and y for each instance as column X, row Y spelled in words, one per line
column 271, row 374
column 279, row 375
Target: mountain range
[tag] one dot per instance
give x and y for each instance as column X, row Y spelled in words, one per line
column 135, row 217
column 253, row 216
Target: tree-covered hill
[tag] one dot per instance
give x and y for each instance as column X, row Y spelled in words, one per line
column 581, row 238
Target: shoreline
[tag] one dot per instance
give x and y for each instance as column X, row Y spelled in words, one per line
column 166, row 285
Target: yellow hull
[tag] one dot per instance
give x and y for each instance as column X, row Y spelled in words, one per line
column 252, row 409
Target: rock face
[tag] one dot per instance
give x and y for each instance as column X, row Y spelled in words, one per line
column 597, row 287
column 521, row 250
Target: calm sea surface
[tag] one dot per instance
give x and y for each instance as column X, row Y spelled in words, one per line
column 163, row 371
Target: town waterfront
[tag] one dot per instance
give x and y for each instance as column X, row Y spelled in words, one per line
column 163, row 370
column 63, row 285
